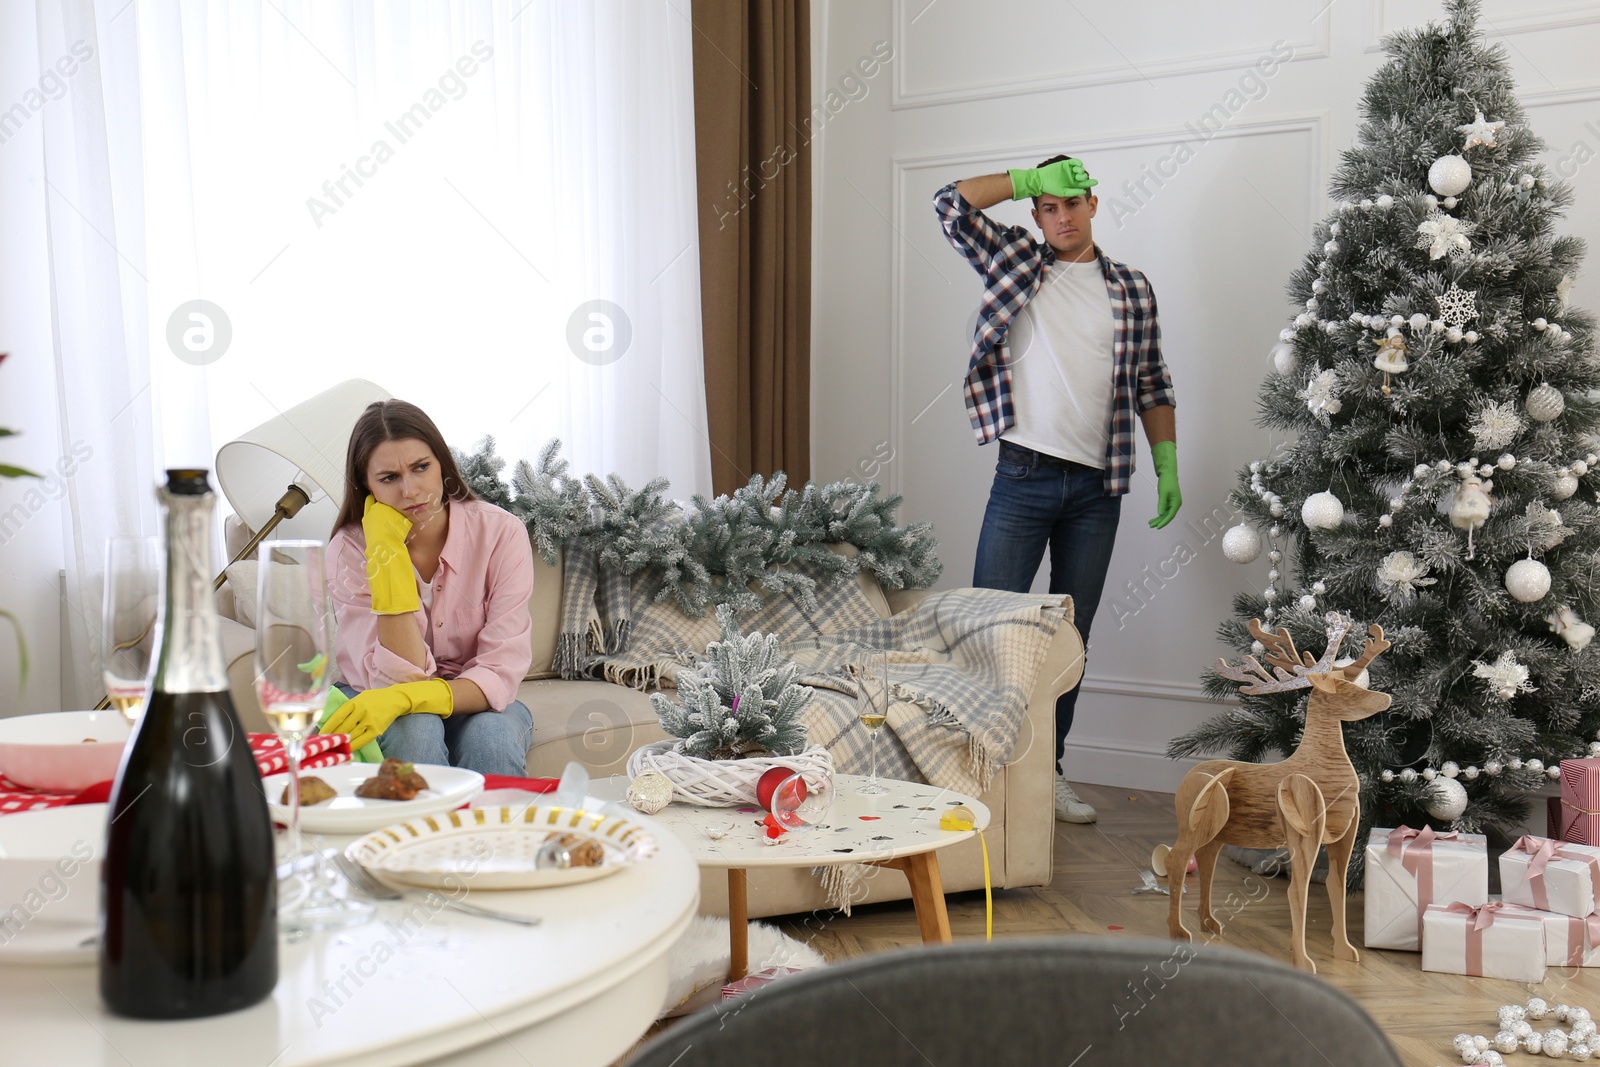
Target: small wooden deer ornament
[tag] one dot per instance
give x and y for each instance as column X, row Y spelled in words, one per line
column 1308, row 800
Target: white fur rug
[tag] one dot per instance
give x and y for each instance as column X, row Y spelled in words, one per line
column 698, row 963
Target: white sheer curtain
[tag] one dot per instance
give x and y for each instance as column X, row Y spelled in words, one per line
column 432, row 194
column 426, row 194
column 95, row 233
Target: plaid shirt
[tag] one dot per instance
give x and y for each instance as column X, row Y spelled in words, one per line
column 1012, row 262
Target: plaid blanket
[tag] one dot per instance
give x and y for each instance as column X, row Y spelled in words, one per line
column 962, row 665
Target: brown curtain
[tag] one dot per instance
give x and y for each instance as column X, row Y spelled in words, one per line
column 752, row 92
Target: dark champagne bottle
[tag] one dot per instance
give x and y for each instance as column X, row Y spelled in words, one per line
column 188, row 919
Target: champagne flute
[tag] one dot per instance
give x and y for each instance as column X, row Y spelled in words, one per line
column 128, row 621
column 872, row 706
column 292, row 652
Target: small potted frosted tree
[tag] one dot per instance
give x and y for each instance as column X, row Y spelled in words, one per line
column 737, row 716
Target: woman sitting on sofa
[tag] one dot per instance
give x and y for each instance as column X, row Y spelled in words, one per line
column 430, row 586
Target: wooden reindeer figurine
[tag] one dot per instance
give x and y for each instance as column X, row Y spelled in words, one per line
column 1308, row 800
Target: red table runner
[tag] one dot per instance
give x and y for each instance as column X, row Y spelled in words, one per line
column 323, row 750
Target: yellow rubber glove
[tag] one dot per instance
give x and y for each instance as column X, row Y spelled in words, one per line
column 389, row 574
column 368, row 714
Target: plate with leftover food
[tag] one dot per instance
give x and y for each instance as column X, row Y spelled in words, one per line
column 507, row 847
column 354, row 798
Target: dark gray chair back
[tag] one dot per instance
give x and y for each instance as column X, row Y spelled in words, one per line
column 1067, row 1001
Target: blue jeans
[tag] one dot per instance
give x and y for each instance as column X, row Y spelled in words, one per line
column 489, row 742
column 1031, row 506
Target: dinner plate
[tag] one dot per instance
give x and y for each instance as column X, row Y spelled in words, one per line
column 494, row 848
column 448, row 787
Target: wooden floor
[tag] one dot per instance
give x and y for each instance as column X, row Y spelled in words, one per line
column 1098, row 865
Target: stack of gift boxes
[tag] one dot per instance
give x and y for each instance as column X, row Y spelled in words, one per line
column 1430, row 891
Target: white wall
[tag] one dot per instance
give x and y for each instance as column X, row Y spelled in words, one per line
column 1121, row 85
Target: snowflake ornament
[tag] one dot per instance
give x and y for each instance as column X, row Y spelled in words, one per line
column 1505, row 676
column 1480, row 131
column 1496, row 425
column 1457, row 306
column 1545, row 529
column 1444, row 235
column 1400, row 575
column 1319, row 398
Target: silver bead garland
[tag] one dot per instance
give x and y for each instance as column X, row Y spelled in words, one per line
column 1580, row 1041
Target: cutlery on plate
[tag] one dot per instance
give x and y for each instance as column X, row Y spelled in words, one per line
column 366, row 883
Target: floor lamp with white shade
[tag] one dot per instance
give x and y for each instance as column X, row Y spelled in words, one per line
column 285, row 477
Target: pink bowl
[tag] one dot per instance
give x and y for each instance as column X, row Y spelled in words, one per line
column 62, row 751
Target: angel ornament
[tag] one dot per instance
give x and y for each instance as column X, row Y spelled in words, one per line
column 1470, row 508
column 1391, row 358
column 1565, row 624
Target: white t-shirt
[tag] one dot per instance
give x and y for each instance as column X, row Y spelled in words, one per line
column 1062, row 377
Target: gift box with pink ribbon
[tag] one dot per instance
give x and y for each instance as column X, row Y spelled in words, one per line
column 1551, row 875
column 1495, row 940
column 1577, row 810
column 1570, row 941
column 1407, row 870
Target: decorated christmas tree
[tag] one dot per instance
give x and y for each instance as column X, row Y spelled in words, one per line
column 741, row 700
column 1440, row 478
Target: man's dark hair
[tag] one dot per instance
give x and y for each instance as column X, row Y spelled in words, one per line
column 1057, row 159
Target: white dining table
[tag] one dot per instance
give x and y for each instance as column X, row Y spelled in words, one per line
column 420, row 984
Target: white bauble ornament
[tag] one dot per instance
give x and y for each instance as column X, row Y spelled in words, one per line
column 1242, row 543
column 1564, row 486
column 1284, row 359
column 1408, row 775
column 1308, row 602
column 1505, row 1041
column 1429, row 774
column 1528, row 580
column 1450, row 175
column 1322, row 511
column 1545, row 403
column 1555, row 1043
column 1534, row 765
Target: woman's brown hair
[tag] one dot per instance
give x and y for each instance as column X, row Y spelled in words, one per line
column 392, row 420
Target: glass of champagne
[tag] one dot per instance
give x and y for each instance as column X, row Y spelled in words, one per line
column 872, row 705
column 128, row 620
column 292, row 654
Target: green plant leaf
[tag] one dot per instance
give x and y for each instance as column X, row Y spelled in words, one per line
column 22, row 647
column 7, row 433
column 8, row 471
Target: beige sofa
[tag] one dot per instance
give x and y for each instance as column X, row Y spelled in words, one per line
column 599, row 724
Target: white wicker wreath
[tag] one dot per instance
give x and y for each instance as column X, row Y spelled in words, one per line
column 723, row 783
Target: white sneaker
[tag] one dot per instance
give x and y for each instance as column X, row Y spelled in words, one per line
column 1069, row 806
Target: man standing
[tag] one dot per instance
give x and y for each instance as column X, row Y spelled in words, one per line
column 1064, row 414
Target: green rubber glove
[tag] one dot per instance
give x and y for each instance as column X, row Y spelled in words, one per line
column 368, row 714
column 389, row 574
column 1168, row 497
column 368, row 753
column 1063, row 178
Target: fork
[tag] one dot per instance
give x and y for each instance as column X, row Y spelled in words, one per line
column 368, row 884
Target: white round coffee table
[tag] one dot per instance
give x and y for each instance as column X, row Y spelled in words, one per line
column 899, row 829
column 420, row 985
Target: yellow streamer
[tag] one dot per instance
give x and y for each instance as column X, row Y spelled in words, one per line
column 962, row 818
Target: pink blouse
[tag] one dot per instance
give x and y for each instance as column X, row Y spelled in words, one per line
column 478, row 627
